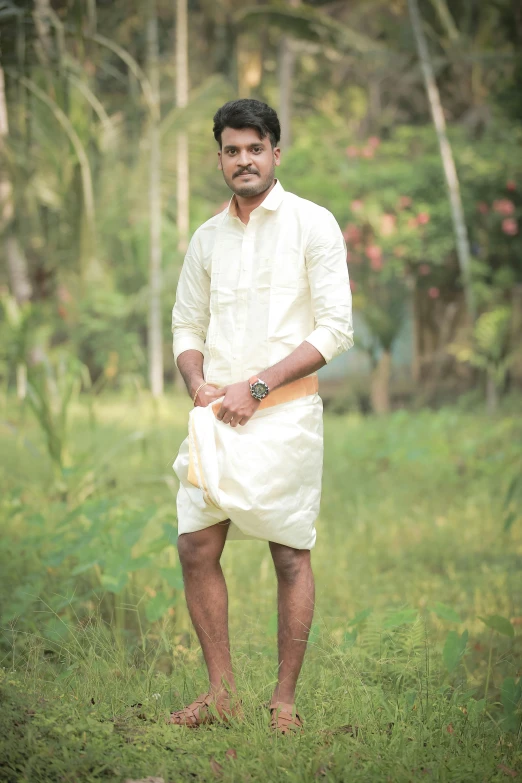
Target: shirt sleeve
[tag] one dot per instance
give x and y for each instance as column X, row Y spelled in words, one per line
column 191, row 311
column 330, row 288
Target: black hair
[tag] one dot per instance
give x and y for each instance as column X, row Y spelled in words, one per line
column 247, row 113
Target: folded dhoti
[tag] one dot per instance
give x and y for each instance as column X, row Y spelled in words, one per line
column 265, row 476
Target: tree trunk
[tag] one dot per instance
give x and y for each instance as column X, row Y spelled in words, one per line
column 155, row 342
column 491, row 394
column 452, row 181
column 16, row 261
column 286, row 78
column 380, row 384
column 183, row 187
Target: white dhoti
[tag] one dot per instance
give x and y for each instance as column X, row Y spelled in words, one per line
column 265, row 476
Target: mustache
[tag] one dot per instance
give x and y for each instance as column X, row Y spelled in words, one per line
column 245, row 171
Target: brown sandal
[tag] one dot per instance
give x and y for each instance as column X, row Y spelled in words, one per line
column 204, row 711
column 284, row 718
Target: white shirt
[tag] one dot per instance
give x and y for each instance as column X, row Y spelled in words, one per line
column 248, row 295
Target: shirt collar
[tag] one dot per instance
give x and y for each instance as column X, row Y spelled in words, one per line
column 271, row 201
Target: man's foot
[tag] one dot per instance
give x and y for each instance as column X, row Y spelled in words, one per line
column 284, row 718
column 206, row 709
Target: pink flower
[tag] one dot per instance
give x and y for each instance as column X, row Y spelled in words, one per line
column 503, row 206
column 388, row 224
column 373, row 252
column 352, row 151
column 357, row 205
column 424, row 269
column 404, row 202
column 482, row 207
column 352, row 234
column 368, row 152
column 423, row 218
column 353, row 286
column 374, row 141
column 511, row 185
column 510, row 227
column 433, row 292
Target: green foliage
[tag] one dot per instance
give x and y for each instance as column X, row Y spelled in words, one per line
column 499, row 624
column 52, row 388
column 454, row 649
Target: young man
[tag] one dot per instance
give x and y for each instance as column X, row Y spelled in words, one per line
column 263, row 302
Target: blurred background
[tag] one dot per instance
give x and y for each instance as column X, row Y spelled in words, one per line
column 402, row 117
column 109, row 165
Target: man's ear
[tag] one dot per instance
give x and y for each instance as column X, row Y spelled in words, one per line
column 277, row 156
column 220, row 167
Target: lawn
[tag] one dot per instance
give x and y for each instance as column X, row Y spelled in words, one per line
column 414, row 670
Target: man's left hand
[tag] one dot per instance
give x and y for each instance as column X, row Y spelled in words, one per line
column 238, row 406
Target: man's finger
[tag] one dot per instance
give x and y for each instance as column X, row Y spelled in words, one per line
column 215, row 393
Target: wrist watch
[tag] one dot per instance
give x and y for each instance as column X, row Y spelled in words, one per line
column 258, row 388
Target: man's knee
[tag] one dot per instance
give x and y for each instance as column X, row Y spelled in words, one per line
column 289, row 563
column 201, row 548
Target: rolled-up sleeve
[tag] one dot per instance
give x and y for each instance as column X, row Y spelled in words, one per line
column 330, row 288
column 191, row 311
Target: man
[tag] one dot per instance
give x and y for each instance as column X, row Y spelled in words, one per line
column 263, row 302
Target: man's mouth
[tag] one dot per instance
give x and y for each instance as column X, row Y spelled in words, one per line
column 246, row 174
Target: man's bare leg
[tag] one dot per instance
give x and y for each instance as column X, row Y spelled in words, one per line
column 207, row 601
column 295, row 605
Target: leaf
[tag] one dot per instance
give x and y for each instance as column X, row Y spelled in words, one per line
column 499, row 624
column 454, row 648
column 157, row 607
column 82, row 567
column 511, row 694
column 512, row 773
column 404, row 617
column 360, row 617
column 509, row 519
column 510, row 493
column 446, row 613
column 173, row 577
column 350, row 638
column 216, row 768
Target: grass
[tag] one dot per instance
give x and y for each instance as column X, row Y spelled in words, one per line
column 414, row 667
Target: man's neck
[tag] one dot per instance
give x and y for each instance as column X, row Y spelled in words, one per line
column 245, row 206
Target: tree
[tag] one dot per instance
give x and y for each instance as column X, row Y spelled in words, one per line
column 183, row 183
column 450, row 171
column 155, row 341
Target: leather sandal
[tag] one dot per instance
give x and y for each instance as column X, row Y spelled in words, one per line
column 204, row 711
column 284, row 718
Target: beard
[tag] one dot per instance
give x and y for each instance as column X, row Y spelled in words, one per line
column 253, row 187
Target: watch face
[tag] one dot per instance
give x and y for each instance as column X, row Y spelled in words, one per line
column 259, row 389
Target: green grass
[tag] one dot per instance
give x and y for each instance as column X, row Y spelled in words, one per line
column 420, row 536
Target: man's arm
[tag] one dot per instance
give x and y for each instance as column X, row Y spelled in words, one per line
column 190, row 365
column 190, row 318
column 333, row 333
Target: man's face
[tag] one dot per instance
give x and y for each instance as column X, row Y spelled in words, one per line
column 247, row 162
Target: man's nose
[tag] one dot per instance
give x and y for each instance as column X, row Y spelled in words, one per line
column 243, row 159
